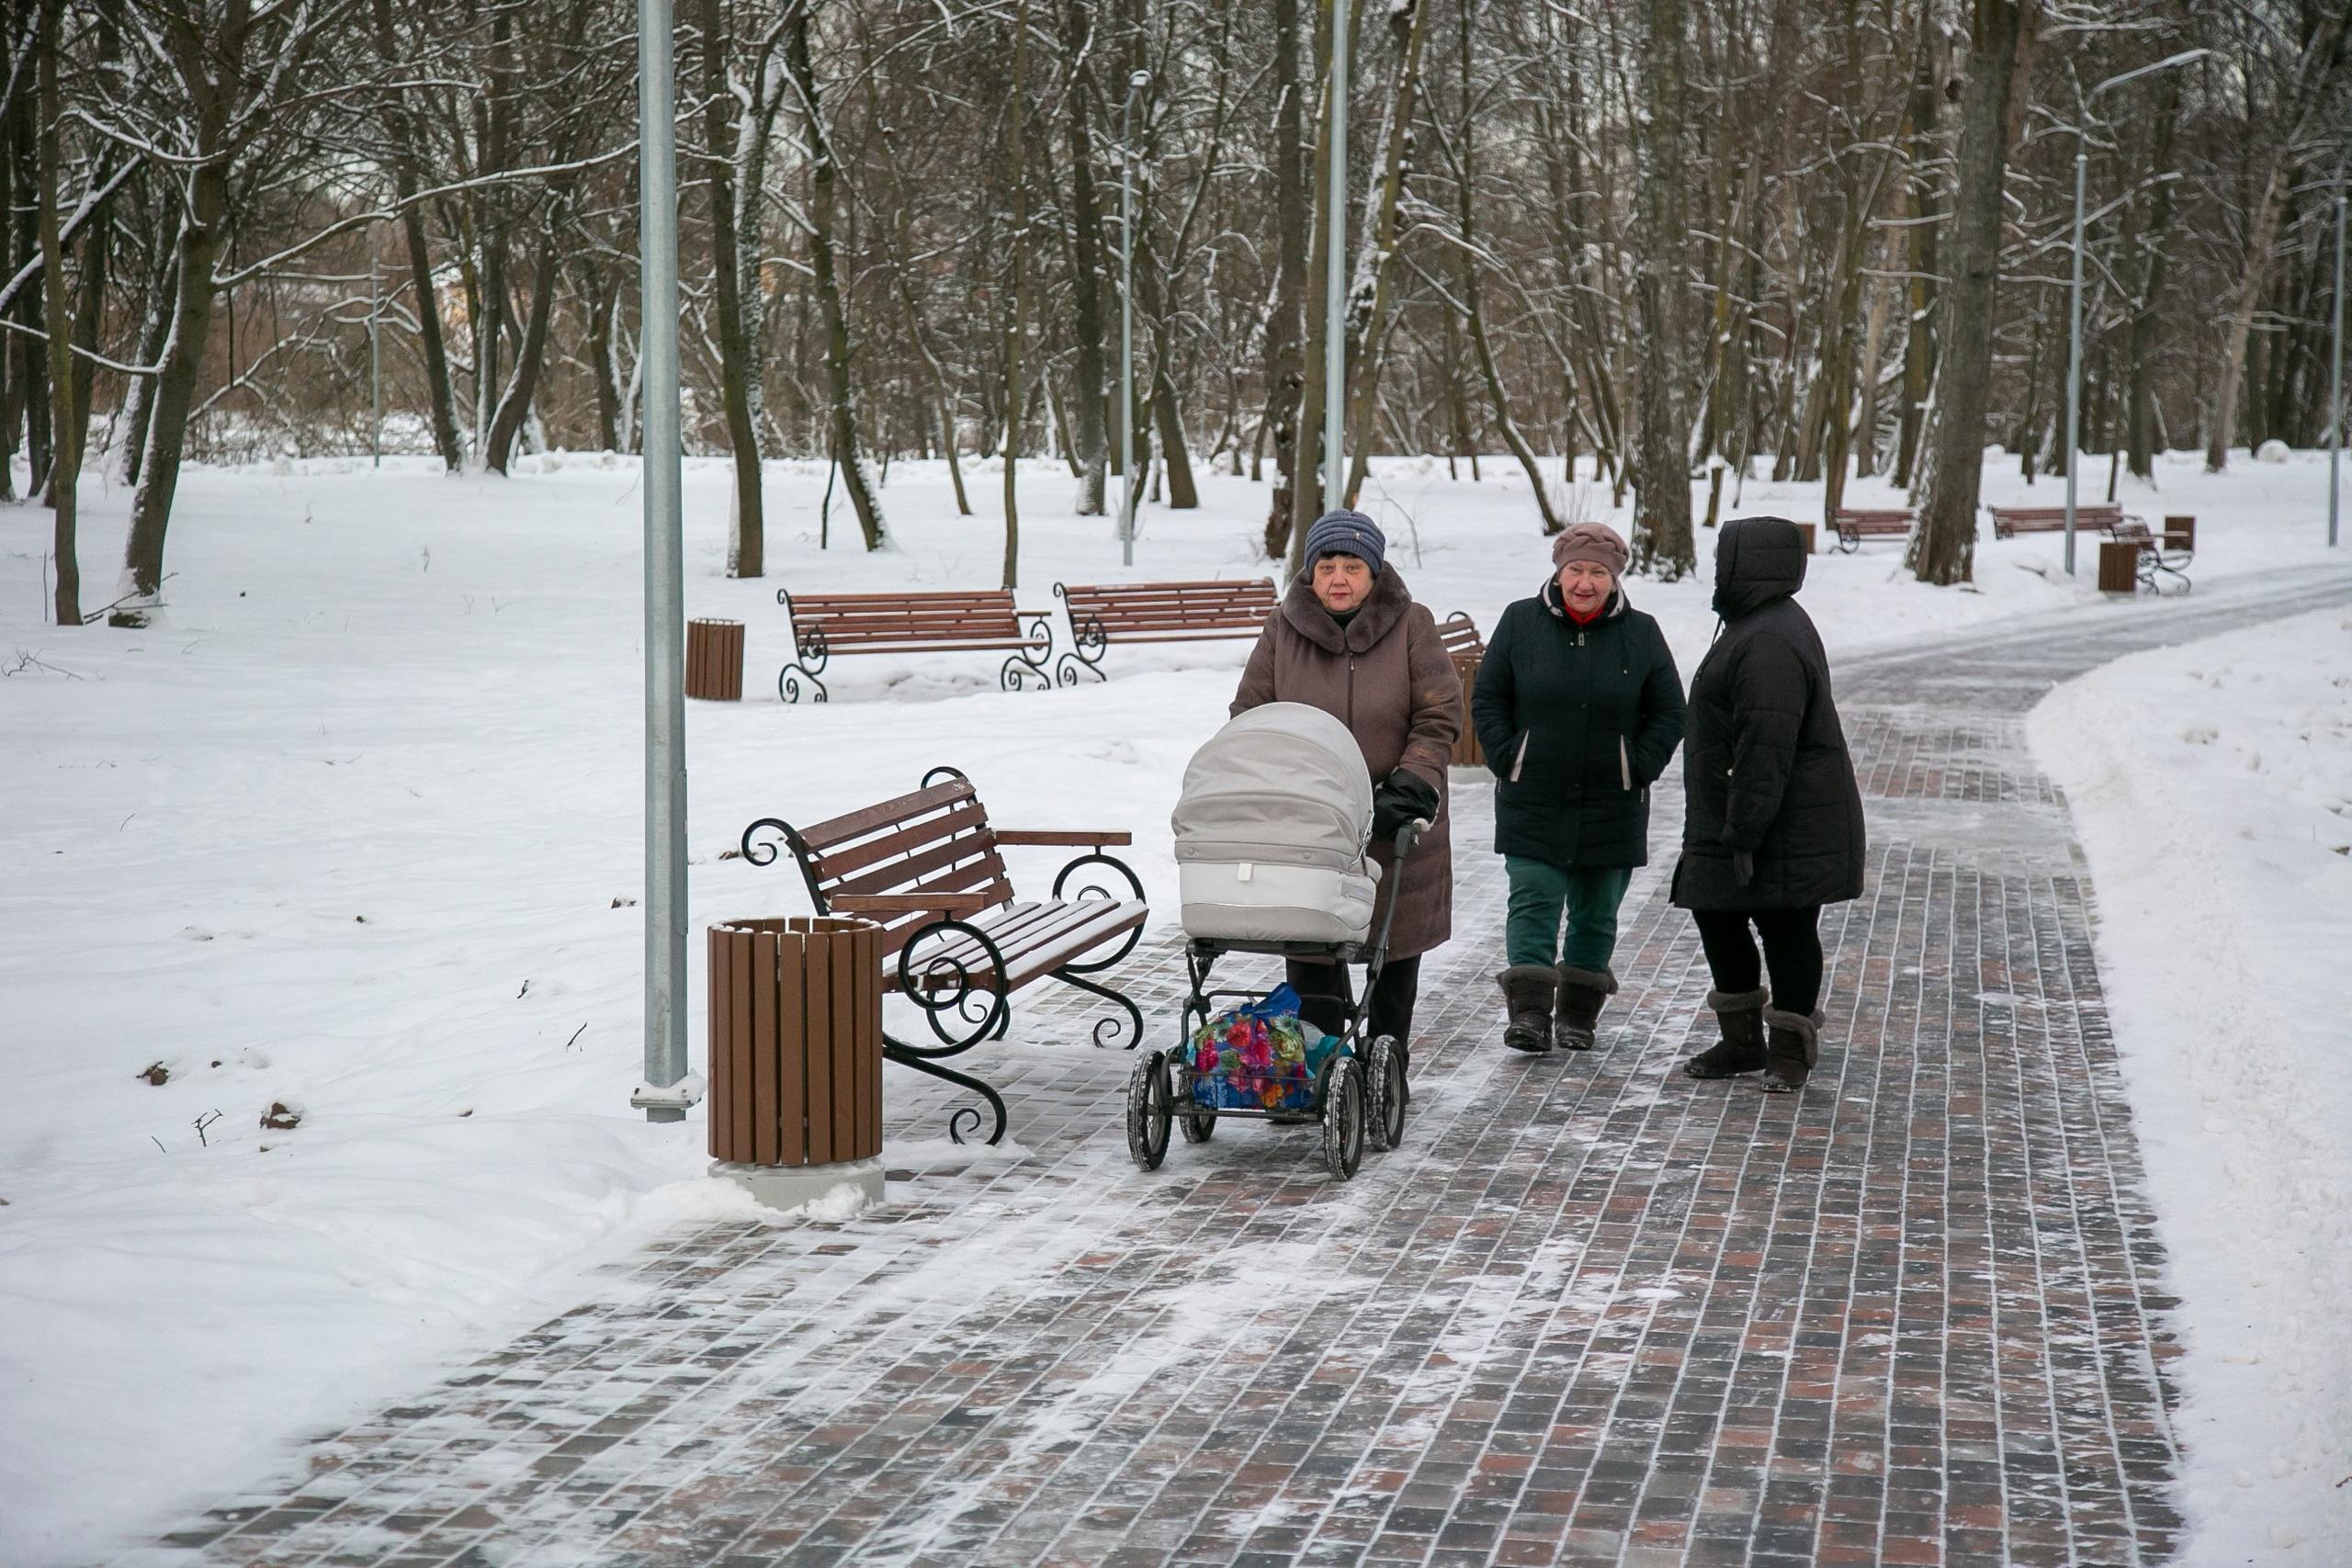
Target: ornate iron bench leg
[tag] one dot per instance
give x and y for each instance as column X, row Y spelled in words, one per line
column 1033, row 657
column 915, row 1057
column 789, row 679
column 1107, row 1026
column 1089, row 642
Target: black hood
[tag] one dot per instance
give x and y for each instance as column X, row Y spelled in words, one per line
column 1758, row 560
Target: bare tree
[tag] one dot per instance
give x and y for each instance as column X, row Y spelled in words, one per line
column 2001, row 41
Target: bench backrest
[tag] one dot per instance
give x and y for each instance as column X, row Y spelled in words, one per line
column 1861, row 517
column 2127, row 533
column 2096, row 516
column 1147, row 610
column 1460, row 636
column 835, row 622
column 936, row 839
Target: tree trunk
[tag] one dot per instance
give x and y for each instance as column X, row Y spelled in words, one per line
column 1918, row 336
column 1306, row 493
column 1662, row 541
column 2313, row 72
column 1944, row 548
column 1368, row 304
column 603, row 301
column 65, row 465
column 154, row 330
column 31, row 372
column 515, row 400
column 441, row 401
column 747, row 540
column 823, row 199
column 1283, row 327
column 183, row 358
column 1016, row 303
column 1183, row 495
column 1089, row 440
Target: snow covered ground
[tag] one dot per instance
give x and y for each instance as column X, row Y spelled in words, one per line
column 354, row 828
column 2212, row 787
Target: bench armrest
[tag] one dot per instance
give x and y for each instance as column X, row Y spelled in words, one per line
column 1058, row 840
column 954, row 906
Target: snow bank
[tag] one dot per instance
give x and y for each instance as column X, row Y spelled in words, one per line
column 2212, row 787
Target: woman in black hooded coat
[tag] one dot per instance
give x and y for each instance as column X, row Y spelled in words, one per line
column 1773, row 817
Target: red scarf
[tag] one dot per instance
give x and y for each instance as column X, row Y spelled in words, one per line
column 1580, row 619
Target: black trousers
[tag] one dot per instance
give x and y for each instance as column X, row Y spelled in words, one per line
column 1324, row 991
column 1792, row 952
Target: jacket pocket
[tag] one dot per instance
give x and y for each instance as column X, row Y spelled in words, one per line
column 1624, row 765
column 1518, row 758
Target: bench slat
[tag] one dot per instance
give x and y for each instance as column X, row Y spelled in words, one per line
column 1169, row 611
column 1037, row 939
column 821, row 836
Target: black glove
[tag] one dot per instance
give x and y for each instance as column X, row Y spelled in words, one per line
column 1403, row 797
column 1743, row 867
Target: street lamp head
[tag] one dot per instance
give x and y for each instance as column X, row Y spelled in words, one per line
column 1139, row 80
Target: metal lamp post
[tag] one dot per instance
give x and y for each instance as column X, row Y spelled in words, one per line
column 2074, row 309
column 1128, row 321
column 1335, row 229
column 668, row 1090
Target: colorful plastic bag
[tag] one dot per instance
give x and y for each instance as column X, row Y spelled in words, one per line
column 1259, row 1056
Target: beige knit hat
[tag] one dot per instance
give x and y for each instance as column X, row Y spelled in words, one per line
column 1594, row 542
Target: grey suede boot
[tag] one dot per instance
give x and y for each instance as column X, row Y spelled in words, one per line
column 1740, row 1016
column 1527, row 991
column 1793, row 1047
column 1583, row 992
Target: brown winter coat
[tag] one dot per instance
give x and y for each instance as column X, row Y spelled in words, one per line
column 1389, row 680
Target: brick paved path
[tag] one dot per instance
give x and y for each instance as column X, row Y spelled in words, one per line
column 1592, row 1312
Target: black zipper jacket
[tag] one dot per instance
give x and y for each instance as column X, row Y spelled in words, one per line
column 1577, row 722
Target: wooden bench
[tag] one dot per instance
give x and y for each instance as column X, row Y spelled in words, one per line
column 2155, row 559
column 1467, row 646
column 1853, row 526
column 1103, row 612
column 955, row 940
column 982, row 621
column 2010, row 521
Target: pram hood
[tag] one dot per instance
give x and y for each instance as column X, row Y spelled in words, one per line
column 1282, row 785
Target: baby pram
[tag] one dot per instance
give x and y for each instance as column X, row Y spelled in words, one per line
column 1271, row 835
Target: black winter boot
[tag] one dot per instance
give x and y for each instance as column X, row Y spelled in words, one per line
column 1740, row 1016
column 1527, row 992
column 1583, row 992
column 1789, row 1056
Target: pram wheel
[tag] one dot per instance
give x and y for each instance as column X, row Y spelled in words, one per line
column 1343, row 1117
column 1148, row 1111
column 1384, row 1092
column 1199, row 1126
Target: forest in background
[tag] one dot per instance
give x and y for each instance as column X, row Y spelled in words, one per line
column 1805, row 238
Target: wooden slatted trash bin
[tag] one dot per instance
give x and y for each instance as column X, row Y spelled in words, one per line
column 715, row 661
column 2119, row 566
column 796, row 1059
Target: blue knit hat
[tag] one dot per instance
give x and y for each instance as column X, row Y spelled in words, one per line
column 1347, row 532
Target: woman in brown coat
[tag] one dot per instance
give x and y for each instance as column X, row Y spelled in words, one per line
column 1348, row 639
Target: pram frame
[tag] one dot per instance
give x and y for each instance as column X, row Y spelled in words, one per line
column 1200, row 955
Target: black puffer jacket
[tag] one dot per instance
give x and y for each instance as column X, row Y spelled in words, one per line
column 1576, row 722
column 1766, row 773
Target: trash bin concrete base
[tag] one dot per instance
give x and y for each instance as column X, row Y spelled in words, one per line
column 843, row 1188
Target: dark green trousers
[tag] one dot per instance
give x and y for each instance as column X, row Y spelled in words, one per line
column 1541, row 893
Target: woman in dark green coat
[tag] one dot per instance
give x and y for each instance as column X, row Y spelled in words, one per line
column 1578, row 710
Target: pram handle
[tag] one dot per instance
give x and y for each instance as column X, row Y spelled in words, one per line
column 1377, row 958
